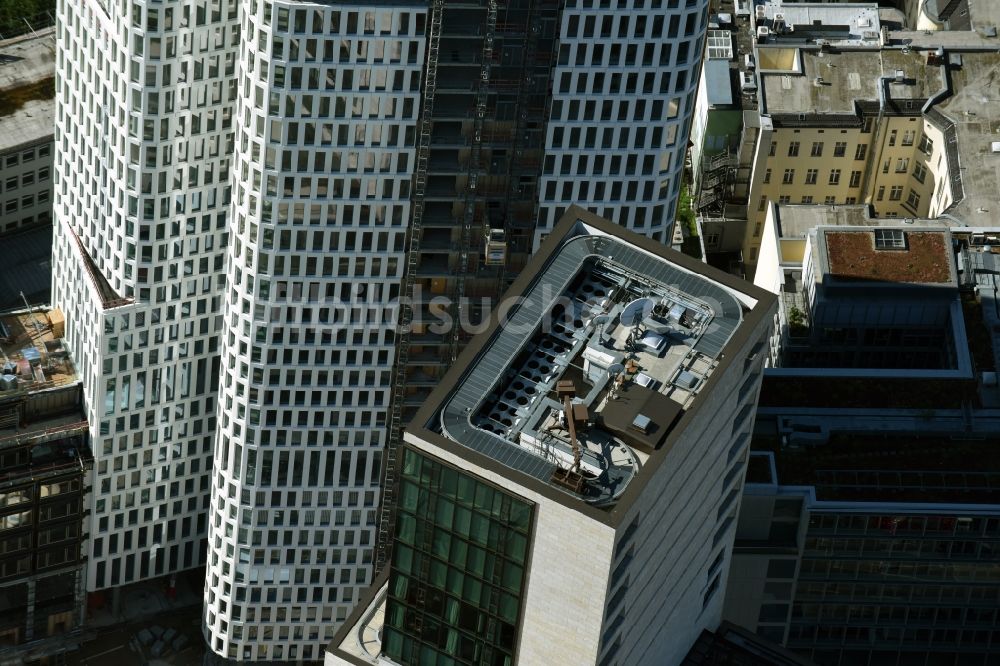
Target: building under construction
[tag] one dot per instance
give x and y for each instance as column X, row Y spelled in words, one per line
column 44, row 479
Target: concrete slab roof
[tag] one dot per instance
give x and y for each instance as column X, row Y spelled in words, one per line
column 797, row 220
column 974, row 108
column 831, row 82
column 26, row 63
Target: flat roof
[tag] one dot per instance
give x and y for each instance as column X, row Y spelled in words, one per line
column 635, row 381
column 840, row 24
column 921, row 257
column 27, row 89
column 831, row 82
column 974, row 111
column 797, row 220
column 820, row 391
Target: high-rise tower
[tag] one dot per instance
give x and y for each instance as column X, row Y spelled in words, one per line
column 240, row 190
column 569, row 495
column 530, row 106
column 326, row 113
column 144, row 139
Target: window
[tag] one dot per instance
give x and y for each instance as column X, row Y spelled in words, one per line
column 896, row 193
column 835, row 176
column 919, row 172
column 788, row 177
column 466, row 517
column 892, row 138
column 890, row 239
column 807, row 199
column 840, row 149
column 817, row 149
column 881, row 193
column 811, row 176
column 860, row 151
column 767, row 176
column 926, row 145
column 770, row 152
column 908, row 137
column 830, row 201
column 855, row 179
column 793, row 149
column 902, row 165
column 784, row 198
column 913, row 199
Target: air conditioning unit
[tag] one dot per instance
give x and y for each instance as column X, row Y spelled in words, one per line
column 763, row 33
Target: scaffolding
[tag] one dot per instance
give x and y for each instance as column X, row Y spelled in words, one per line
column 405, row 314
column 478, row 158
column 467, row 246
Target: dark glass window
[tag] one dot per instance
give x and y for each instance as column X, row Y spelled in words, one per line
column 458, row 568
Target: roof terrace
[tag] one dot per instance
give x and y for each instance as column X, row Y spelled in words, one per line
column 594, row 365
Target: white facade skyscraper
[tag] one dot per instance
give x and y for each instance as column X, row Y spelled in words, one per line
column 623, row 93
column 325, row 119
column 142, row 166
column 235, row 188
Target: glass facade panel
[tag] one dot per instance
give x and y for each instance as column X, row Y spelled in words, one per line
column 457, row 577
column 877, row 589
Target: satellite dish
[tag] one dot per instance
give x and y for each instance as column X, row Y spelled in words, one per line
column 616, row 369
column 601, row 319
column 636, row 311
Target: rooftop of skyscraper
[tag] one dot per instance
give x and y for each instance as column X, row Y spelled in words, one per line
column 608, row 341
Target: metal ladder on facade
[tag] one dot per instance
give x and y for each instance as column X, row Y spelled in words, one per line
column 468, row 219
column 533, row 28
column 405, row 316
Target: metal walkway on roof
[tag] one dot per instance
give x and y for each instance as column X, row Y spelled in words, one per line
column 497, row 357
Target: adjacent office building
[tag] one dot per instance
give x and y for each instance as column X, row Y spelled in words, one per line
column 27, row 88
column 870, row 541
column 236, row 182
column 570, row 492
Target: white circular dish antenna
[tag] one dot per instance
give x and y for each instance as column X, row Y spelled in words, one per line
column 636, row 311
column 616, row 369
